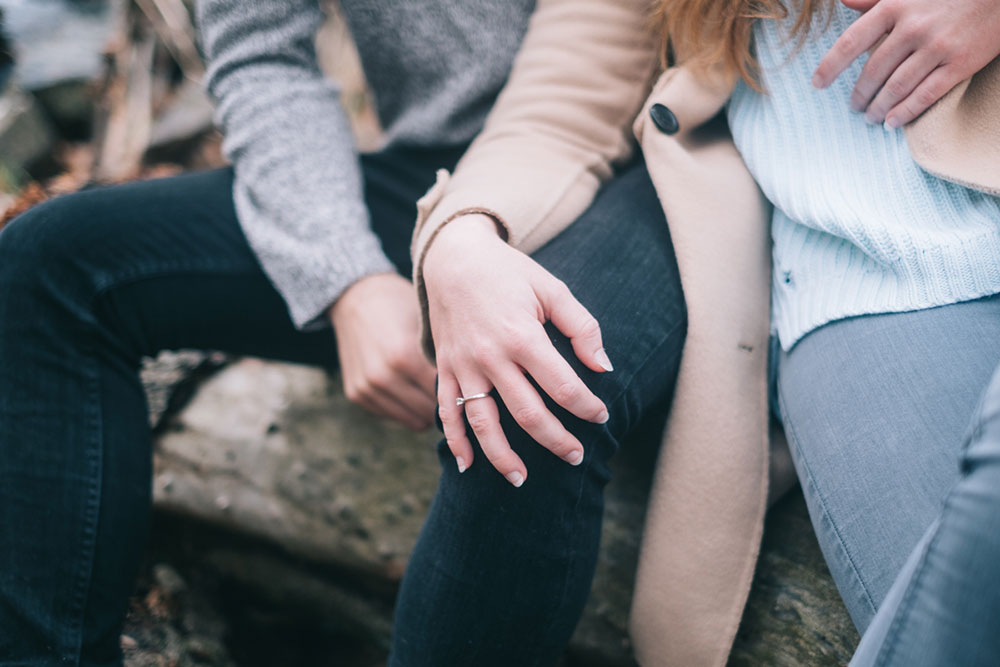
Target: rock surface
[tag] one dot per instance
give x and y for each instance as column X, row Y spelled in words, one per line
column 794, row 615
column 171, row 624
column 171, row 378
column 310, row 507
column 276, row 451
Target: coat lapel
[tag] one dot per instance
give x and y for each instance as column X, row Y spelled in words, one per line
column 958, row 139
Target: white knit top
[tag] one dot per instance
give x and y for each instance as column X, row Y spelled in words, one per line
column 858, row 226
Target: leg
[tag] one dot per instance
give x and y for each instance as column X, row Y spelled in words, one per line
column 945, row 605
column 500, row 574
column 90, row 283
column 875, row 408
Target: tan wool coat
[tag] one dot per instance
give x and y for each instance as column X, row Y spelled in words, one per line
column 562, row 121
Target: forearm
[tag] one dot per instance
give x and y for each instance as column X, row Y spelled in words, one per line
column 298, row 190
column 559, row 125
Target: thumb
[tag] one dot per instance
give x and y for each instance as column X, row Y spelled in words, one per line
column 860, row 5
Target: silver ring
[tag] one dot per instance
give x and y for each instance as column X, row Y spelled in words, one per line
column 461, row 400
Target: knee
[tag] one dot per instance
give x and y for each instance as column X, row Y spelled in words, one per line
column 606, row 386
column 40, row 241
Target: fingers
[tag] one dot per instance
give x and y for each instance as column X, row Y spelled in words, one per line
column 484, row 419
column 423, row 375
column 558, row 379
column 531, row 413
column 860, row 5
column 577, row 324
column 930, row 90
column 901, row 84
column 403, row 368
column 879, row 68
column 409, row 362
column 858, row 38
column 453, row 421
column 389, row 394
column 414, row 399
column 382, row 405
column 400, row 378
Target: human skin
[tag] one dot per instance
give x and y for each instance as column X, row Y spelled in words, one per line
column 487, row 304
column 377, row 325
column 922, row 49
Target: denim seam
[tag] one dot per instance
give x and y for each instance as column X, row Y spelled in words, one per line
column 889, row 645
column 827, row 516
column 95, row 457
column 566, row 580
column 891, row 642
column 95, row 460
column 108, row 281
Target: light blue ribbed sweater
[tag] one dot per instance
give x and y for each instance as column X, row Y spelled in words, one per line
column 858, row 227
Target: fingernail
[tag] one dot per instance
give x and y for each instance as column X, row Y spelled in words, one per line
column 575, row 458
column 461, row 464
column 892, row 123
column 817, row 81
column 871, row 117
column 515, row 478
column 856, row 106
column 603, row 417
column 602, row 360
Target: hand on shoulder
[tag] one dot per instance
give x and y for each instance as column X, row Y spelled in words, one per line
column 927, row 47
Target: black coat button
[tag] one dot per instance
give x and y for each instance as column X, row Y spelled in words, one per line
column 664, row 119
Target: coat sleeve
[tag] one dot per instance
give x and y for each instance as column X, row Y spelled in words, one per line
column 559, row 125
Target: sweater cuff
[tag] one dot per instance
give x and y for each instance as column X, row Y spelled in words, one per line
column 309, row 303
column 310, row 266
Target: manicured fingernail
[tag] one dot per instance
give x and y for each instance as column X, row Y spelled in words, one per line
column 515, row 478
column 892, row 123
column 575, row 458
column 871, row 117
column 461, row 464
column 602, row 360
column 603, row 417
column 856, row 106
column 817, row 81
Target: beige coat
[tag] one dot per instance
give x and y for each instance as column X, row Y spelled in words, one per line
column 560, row 123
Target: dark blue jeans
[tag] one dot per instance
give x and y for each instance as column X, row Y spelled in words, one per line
column 92, row 282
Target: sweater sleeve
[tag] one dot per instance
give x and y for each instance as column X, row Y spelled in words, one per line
column 561, row 122
column 298, row 189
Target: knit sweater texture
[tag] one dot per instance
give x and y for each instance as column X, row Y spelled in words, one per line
column 435, row 68
column 858, row 227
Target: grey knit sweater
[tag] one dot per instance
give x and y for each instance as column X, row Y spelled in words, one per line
column 435, row 68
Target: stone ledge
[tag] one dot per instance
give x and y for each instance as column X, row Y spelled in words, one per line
column 325, row 504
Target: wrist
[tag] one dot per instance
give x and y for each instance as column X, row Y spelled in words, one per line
column 358, row 293
column 469, row 226
column 459, row 239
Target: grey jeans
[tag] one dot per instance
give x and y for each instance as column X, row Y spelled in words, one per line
column 896, row 441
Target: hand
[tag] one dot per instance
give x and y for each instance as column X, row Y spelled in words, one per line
column 929, row 47
column 488, row 304
column 377, row 322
